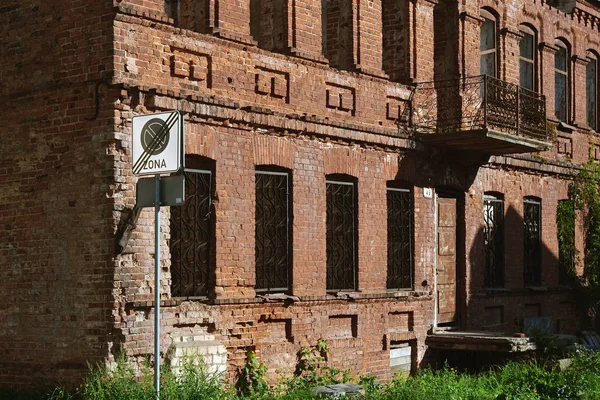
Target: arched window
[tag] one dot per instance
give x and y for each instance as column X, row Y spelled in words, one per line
column 532, row 219
column 493, row 234
column 488, row 44
column 562, row 80
column 527, row 58
column 591, row 90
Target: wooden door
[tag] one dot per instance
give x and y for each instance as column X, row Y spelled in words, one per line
column 446, row 260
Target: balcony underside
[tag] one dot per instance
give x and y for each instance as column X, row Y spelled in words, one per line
column 486, row 140
column 480, row 341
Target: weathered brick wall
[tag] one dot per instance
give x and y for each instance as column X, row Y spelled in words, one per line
column 67, row 185
column 57, row 179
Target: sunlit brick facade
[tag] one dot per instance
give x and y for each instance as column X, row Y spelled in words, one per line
column 352, row 175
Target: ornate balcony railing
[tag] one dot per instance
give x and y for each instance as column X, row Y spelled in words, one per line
column 477, row 104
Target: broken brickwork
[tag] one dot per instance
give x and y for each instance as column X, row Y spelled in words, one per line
column 320, row 89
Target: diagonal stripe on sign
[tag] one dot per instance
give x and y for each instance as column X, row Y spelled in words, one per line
column 157, row 139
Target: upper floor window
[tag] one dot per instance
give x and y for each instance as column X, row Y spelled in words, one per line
column 269, row 24
column 341, row 233
column 493, row 234
column 192, row 232
column 272, row 239
column 337, row 40
column 532, row 218
column 399, row 239
column 488, row 44
column 591, row 91
column 527, row 59
column 561, row 81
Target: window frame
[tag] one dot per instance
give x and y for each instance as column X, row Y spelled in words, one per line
column 532, row 277
column 562, row 44
column 492, row 17
column 496, row 280
column 527, row 30
column 332, row 270
column 390, row 286
column 592, row 58
column 208, row 232
column 274, row 171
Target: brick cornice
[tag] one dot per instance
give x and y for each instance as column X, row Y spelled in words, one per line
column 545, row 46
column 468, row 16
column 582, row 60
column 510, row 32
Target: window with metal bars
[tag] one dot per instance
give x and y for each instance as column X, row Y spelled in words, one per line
column 399, row 239
column 532, row 217
column 341, row 233
column 192, row 237
column 272, row 239
column 493, row 234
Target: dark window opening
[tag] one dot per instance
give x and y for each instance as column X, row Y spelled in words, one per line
column 341, row 234
column 561, row 82
column 493, row 234
column 338, row 40
column 269, row 24
column 272, row 239
column 532, row 210
column 193, row 15
column 395, row 38
column 591, row 92
column 399, row 235
column 192, row 232
column 566, row 240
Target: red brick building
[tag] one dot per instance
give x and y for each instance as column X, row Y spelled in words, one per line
column 347, row 154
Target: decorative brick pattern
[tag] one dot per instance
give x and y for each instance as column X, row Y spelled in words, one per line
column 191, row 66
column 340, row 98
column 272, row 83
column 306, row 94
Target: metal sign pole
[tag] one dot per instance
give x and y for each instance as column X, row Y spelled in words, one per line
column 157, row 285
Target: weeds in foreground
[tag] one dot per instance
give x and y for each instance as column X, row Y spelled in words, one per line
column 514, row 381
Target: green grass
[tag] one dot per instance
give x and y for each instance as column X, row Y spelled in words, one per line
column 533, row 380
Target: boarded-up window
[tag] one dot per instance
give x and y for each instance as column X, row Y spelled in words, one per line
column 401, row 357
column 338, row 42
column 268, row 24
